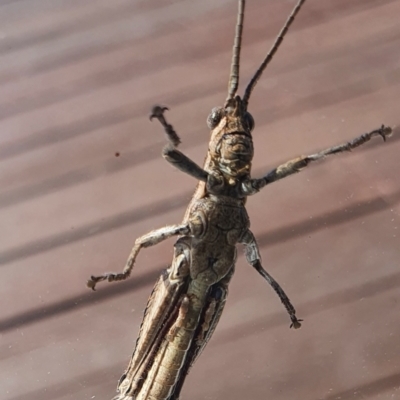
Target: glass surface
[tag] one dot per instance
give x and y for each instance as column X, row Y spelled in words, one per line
column 82, row 177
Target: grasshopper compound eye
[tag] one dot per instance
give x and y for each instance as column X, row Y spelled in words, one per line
column 215, row 117
column 249, row 121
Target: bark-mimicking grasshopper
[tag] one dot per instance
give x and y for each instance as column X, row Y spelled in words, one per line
column 189, row 297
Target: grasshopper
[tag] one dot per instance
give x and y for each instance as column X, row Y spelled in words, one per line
column 188, row 299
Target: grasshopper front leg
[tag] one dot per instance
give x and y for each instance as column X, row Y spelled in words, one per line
column 297, row 164
column 150, row 239
column 170, row 152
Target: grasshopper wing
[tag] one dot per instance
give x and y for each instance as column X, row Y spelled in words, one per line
column 209, row 320
column 161, row 309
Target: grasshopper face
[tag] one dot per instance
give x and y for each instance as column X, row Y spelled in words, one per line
column 231, row 144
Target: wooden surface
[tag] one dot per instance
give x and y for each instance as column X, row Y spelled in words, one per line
column 78, row 79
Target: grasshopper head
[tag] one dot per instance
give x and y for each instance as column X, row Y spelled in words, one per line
column 231, row 144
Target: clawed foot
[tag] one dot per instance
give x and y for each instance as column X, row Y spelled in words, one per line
column 384, row 132
column 91, row 283
column 158, row 112
column 295, row 322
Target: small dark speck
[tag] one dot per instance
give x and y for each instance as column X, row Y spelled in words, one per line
column 117, row 154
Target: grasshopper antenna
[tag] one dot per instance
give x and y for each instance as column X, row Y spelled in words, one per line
column 271, row 53
column 234, row 75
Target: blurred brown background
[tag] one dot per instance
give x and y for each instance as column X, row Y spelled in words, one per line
column 78, row 79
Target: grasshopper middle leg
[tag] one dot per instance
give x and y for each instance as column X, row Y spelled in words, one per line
column 254, row 259
column 150, row 239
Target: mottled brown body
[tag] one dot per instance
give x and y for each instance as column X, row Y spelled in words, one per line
column 201, row 262
column 188, row 299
